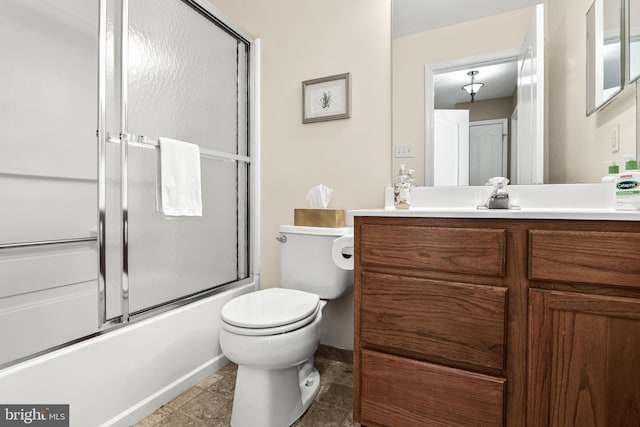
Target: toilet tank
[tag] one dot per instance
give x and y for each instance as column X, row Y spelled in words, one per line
column 306, row 261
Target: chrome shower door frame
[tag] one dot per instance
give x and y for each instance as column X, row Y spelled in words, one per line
column 125, row 139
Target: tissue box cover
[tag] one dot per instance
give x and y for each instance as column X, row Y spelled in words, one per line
column 319, row 217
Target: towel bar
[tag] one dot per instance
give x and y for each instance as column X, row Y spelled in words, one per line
column 147, row 142
column 47, row 242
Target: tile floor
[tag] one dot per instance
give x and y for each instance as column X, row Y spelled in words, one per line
column 209, row 403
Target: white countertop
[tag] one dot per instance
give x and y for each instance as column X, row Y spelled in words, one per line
column 575, row 214
column 550, row 201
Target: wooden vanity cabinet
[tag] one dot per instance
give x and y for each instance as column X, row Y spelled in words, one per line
column 432, row 334
column 491, row 322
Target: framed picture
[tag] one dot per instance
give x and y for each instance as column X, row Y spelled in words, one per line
column 327, row 98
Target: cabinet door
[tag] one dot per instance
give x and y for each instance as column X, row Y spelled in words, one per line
column 584, row 360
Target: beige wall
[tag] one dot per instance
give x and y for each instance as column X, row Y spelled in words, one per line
column 411, row 53
column 497, row 108
column 577, row 144
column 302, row 40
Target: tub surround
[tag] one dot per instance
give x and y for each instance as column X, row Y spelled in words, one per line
column 549, row 201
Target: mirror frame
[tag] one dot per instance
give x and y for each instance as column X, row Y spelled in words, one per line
column 629, row 37
column 595, row 38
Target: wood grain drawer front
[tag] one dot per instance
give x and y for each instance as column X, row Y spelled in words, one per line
column 455, row 250
column 402, row 392
column 609, row 258
column 460, row 323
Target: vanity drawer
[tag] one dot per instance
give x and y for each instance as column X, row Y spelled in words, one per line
column 609, row 258
column 453, row 250
column 398, row 391
column 461, row 324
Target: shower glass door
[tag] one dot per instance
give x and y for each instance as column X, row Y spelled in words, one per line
column 184, row 76
column 48, row 251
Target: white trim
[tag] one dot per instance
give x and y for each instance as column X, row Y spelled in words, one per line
column 254, row 147
column 481, row 60
column 168, row 393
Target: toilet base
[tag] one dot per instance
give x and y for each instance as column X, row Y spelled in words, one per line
column 273, row 398
column 309, row 382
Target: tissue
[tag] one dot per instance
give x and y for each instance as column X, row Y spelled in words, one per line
column 317, row 215
column 318, row 197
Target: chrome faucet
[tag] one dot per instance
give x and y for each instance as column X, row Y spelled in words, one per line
column 499, row 197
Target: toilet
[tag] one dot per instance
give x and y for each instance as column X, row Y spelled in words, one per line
column 273, row 333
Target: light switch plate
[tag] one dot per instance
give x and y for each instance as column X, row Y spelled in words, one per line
column 403, row 150
column 615, row 139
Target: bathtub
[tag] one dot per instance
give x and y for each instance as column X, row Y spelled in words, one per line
column 117, row 378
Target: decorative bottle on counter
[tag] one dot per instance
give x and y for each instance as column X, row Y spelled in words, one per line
column 402, row 189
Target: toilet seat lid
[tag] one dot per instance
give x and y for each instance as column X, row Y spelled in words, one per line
column 270, row 308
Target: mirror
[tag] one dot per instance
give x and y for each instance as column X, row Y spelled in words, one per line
column 423, row 60
column 604, row 53
column 575, row 146
column 633, row 39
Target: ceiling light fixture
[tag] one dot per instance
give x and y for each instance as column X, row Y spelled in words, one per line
column 472, row 88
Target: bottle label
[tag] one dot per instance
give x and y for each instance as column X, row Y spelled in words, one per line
column 402, row 194
column 627, row 185
column 627, row 190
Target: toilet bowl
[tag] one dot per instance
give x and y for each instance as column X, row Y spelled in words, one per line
column 273, row 333
column 272, row 388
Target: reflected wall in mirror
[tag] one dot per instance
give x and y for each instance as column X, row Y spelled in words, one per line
column 604, row 22
column 422, row 63
column 575, row 145
column 633, row 34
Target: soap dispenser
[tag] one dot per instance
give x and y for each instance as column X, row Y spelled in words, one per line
column 613, row 171
column 402, row 189
column 410, row 179
column 499, row 197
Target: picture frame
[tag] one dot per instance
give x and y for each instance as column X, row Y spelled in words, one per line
column 326, row 98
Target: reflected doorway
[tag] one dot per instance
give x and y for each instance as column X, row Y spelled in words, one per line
column 468, row 153
column 488, row 150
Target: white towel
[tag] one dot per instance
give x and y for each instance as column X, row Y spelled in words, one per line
column 179, row 190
